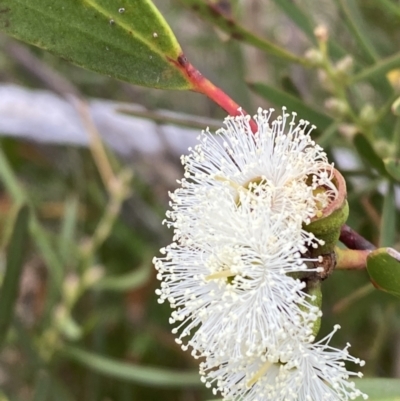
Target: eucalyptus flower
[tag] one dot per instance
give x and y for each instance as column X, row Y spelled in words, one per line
column 238, row 291
column 232, row 273
column 297, row 371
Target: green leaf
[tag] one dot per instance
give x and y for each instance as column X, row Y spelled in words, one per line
column 9, row 180
column 379, row 389
column 296, row 14
column 359, row 28
column 368, row 154
column 136, row 374
column 126, row 282
column 279, row 97
column 396, row 107
column 388, row 221
column 328, row 135
column 212, row 13
column 302, row 20
column 125, row 39
column 383, row 266
column 42, row 386
column 15, row 262
column 68, row 228
column 377, row 70
column 389, row 7
column 393, row 167
column 361, row 32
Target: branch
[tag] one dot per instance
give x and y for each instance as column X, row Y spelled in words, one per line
column 353, row 240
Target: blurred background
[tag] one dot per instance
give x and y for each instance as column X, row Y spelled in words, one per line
column 85, row 323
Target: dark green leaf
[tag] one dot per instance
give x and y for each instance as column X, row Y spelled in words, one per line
column 383, row 267
column 368, row 154
column 136, row 374
column 379, row 389
column 388, row 221
column 393, row 167
column 42, row 386
column 126, row 39
column 278, row 97
column 15, row 262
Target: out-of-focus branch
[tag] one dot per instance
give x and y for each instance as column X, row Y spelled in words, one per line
column 59, row 84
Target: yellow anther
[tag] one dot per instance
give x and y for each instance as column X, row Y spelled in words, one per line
column 264, row 368
column 221, row 274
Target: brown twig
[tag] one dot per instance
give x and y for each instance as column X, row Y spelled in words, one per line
column 353, row 240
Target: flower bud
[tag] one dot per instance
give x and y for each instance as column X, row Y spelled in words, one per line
column 345, row 65
column 368, row 114
column 314, row 56
column 321, row 33
column 336, row 106
column 326, row 227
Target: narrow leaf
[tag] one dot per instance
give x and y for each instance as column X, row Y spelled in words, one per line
column 383, row 266
column 379, row 69
column 388, row 221
column 212, row 13
column 361, row 32
column 136, row 374
column 393, row 167
column 305, row 24
column 68, row 228
column 42, row 386
column 379, row 389
column 368, row 154
column 396, row 107
column 301, row 19
column 390, row 7
column 15, row 261
column 125, row 39
column 126, row 282
column 279, row 97
column 9, row 180
column 359, row 29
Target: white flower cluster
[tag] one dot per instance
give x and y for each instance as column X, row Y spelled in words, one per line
column 232, row 273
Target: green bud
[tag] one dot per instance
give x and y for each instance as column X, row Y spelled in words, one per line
column 368, row 114
column 327, row 226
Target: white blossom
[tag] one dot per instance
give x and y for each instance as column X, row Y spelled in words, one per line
column 238, row 218
column 279, row 162
column 238, row 290
column 298, row 371
column 234, row 271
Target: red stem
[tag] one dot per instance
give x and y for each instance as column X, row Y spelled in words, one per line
column 353, row 240
column 202, row 85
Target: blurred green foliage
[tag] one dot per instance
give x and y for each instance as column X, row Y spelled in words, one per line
column 86, row 323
